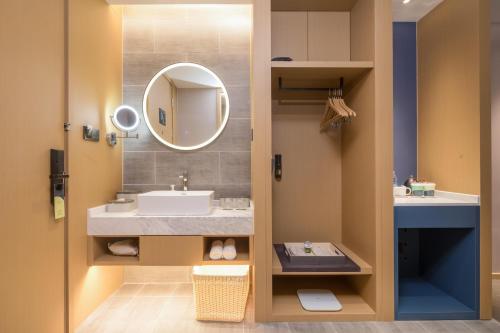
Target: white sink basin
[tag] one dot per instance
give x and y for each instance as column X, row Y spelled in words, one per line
column 159, row 203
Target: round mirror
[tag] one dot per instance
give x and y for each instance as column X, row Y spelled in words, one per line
column 125, row 118
column 185, row 106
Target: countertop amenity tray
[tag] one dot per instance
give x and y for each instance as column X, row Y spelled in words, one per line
column 338, row 262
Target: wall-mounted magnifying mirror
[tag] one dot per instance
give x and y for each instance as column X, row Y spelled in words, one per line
column 186, row 106
column 126, row 119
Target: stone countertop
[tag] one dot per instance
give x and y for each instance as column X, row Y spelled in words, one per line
column 441, row 198
column 219, row 222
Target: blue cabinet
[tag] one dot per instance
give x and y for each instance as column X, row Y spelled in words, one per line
column 436, row 262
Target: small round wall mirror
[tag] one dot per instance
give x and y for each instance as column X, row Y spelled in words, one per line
column 186, row 106
column 125, row 118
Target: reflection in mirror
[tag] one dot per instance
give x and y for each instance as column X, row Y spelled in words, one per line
column 186, row 106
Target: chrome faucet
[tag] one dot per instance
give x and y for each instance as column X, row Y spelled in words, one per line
column 184, row 180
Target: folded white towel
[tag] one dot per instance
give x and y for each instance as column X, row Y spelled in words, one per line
column 216, row 250
column 229, row 251
column 126, row 247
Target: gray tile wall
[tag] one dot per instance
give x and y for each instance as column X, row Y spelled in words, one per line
column 217, row 37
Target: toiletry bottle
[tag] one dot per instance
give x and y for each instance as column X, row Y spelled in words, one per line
column 409, row 181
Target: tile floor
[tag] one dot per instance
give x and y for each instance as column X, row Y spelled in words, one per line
column 158, row 308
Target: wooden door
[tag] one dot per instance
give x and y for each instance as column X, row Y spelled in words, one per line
column 32, row 112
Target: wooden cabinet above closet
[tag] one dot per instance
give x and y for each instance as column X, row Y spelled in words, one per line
column 312, row 36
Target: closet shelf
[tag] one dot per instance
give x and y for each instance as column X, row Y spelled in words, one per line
column 366, row 269
column 287, row 307
column 315, row 74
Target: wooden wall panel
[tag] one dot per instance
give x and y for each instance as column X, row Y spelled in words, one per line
column 359, row 226
column 448, row 97
column 486, row 171
column 358, row 180
column 313, row 36
column 383, row 54
column 289, row 35
column 95, row 84
column 362, row 23
column 454, row 127
column 495, row 140
column 328, row 36
column 307, row 200
column 31, row 122
column 261, row 157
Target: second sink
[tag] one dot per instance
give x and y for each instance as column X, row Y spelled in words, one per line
column 175, row 203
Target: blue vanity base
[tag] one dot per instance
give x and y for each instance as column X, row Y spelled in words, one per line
column 436, row 262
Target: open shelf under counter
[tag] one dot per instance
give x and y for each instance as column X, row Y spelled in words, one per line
column 244, row 250
column 286, row 305
column 99, row 254
column 365, row 268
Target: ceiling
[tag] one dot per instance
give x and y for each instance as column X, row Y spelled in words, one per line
column 414, row 10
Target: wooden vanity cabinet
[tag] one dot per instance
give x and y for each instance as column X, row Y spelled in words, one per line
column 171, row 250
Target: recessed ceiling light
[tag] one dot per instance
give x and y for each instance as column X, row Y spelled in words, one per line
column 406, row 2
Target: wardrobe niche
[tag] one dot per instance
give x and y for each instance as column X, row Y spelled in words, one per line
column 328, row 186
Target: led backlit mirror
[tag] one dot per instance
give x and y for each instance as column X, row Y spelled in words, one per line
column 186, row 106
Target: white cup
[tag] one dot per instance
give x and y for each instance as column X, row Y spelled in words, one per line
column 401, row 191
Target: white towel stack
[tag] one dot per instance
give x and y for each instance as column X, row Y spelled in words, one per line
column 226, row 250
column 229, row 252
column 216, row 250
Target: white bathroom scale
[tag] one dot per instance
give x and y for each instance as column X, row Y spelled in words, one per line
column 322, row 300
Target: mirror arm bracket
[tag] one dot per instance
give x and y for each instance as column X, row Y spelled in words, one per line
column 128, row 136
column 112, row 138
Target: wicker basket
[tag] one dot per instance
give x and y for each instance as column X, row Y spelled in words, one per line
column 220, row 292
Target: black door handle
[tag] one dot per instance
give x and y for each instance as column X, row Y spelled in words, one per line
column 278, row 170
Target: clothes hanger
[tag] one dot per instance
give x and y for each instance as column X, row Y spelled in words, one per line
column 336, row 110
column 338, row 105
column 351, row 112
column 328, row 114
column 331, row 113
column 339, row 112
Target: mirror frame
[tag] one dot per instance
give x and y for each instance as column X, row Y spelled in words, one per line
column 158, row 137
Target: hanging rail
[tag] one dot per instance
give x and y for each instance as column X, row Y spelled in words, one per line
column 281, row 87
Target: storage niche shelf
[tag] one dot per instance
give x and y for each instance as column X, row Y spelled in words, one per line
column 436, row 263
column 244, row 248
column 167, row 250
column 287, row 307
column 365, row 269
column 99, row 254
